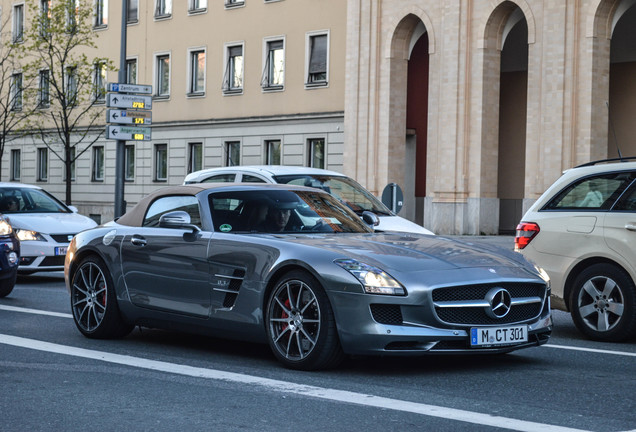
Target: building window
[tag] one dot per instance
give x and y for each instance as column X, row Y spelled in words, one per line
column 44, row 95
column 43, row 164
column 274, row 70
column 98, row 163
column 18, row 23
column 273, row 148
column 195, row 159
column 71, row 15
column 132, row 15
column 232, row 153
column 101, row 13
column 163, row 76
column 72, row 156
column 234, row 3
column 71, row 86
column 129, row 163
column 161, row 162
column 197, row 72
column 233, row 78
column 131, row 71
column 316, row 152
column 163, row 8
column 317, row 62
column 16, row 92
column 15, row 164
column 45, row 18
column 99, row 80
column 198, row 5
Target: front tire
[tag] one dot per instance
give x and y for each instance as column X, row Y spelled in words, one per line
column 301, row 326
column 603, row 303
column 94, row 303
column 7, row 284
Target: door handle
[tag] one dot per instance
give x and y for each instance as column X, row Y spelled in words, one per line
column 630, row 227
column 138, row 241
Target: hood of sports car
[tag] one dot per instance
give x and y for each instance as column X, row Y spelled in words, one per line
column 412, row 253
column 52, row 223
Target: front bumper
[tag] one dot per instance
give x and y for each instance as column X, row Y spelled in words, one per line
column 360, row 332
column 40, row 256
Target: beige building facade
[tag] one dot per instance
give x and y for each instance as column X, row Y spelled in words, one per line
column 234, row 82
column 473, row 107
column 476, row 107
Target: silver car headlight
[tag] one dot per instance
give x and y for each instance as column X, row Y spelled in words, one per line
column 28, row 235
column 373, row 279
column 5, row 228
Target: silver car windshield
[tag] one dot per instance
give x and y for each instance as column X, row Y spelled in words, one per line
column 345, row 189
column 26, row 200
column 282, row 211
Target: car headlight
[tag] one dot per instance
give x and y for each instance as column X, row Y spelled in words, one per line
column 28, row 235
column 373, row 279
column 5, row 228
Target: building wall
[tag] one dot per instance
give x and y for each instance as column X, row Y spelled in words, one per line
column 568, row 82
column 293, row 114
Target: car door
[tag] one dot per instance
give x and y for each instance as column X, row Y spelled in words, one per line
column 167, row 269
column 620, row 226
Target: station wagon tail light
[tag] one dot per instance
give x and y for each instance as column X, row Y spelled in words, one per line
column 373, row 279
column 526, row 231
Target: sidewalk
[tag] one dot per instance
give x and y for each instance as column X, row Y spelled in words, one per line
column 504, row 241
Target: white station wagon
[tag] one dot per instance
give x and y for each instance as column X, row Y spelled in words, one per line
column 339, row 185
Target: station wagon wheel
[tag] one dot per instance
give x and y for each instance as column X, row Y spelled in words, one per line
column 94, row 303
column 301, row 327
column 603, row 303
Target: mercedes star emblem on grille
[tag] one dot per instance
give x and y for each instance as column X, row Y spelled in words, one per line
column 500, row 302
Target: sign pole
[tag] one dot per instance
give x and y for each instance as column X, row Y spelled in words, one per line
column 120, row 156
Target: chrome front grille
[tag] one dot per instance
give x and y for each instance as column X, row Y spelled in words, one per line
column 468, row 305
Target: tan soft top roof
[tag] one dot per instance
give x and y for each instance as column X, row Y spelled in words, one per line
column 135, row 216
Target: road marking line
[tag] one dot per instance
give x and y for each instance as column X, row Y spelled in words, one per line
column 287, row 387
column 35, row 311
column 594, row 350
column 573, row 348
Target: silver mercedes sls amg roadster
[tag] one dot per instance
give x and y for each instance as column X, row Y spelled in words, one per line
column 294, row 267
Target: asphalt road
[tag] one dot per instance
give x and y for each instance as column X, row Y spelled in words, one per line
column 52, row 378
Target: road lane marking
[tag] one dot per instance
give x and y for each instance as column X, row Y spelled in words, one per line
column 549, row 345
column 594, row 350
column 35, row 311
column 288, row 387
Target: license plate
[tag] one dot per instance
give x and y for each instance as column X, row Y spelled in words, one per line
column 60, row 250
column 494, row 336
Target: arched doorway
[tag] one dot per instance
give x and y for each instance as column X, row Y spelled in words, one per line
column 416, row 124
column 622, row 85
column 513, row 91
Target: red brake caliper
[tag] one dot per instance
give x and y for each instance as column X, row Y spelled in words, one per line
column 284, row 314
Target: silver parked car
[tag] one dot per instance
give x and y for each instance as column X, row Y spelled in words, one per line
column 44, row 225
column 293, row 267
column 347, row 190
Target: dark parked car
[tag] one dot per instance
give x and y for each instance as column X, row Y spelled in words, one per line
column 292, row 267
column 9, row 257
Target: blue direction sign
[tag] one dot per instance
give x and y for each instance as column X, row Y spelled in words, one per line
column 118, row 100
column 128, row 133
column 129, row 117
column 130, row 88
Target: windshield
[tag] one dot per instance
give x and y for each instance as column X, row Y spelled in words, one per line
column 282, row 211
column 15, row 200
column 344, row 189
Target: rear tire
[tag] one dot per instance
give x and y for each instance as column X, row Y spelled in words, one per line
column 301, row 326
column 94, row 303
column 603, row 303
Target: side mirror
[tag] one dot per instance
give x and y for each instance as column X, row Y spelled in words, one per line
column 73, row 208
column 177, row 219
column 370, row 218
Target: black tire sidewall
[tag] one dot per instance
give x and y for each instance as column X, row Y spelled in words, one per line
column 626, row 326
